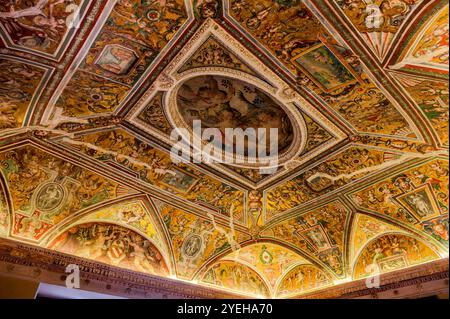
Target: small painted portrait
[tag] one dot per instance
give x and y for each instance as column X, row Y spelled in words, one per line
column 317, row 238
column 116, row 59
column 420, row 202
column 179, row 180
column 205, row 9
column 324, row 68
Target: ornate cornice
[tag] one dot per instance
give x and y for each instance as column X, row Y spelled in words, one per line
column 43, row 265
column 412, row 277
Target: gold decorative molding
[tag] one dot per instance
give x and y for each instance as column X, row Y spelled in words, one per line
column 43, row 265
column 411, row 278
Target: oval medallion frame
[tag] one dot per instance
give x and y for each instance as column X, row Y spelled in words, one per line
column 296, row 119
column 187, row 241
column 45, row 187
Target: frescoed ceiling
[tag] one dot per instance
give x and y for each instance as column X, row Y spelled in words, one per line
column 91, row 92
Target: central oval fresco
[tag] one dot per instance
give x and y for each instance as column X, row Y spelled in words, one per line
column 222, row 102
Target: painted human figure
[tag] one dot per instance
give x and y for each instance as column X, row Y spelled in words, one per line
column 207, row 94
column 255, row 206
column 207, row 8
column 30, row 226
column 46, row 29
column 317, row 237
column 49, row 197
column 141, row 260
column 193, row 246
column 421, row 206
column 117, row 60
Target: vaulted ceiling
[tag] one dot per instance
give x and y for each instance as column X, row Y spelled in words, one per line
column 90, row 92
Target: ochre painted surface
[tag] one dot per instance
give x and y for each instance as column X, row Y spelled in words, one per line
column 90, row 92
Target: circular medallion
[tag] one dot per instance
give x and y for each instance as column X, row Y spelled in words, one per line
column 192, row 246
column 49, row 197
column 265, row 257
column 96, row 97
column 153, row 15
